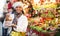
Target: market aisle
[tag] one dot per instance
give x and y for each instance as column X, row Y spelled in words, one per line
column 0, row 29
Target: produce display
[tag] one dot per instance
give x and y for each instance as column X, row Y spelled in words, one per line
column 47, row 21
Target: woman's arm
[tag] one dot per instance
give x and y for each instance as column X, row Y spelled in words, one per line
column 13, row 25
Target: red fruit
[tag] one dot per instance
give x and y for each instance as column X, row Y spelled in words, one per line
column 46, row 12
column 42, row 20
column 48, row 18
column 44, row 28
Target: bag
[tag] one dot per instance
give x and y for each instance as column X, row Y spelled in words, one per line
column 13, row 33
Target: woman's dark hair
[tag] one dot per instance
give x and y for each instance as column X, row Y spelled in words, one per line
column 23, row 12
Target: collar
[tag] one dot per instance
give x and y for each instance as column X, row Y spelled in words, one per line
column 18, row 15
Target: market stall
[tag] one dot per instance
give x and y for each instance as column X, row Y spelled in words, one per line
column 45, row 19
column 43, row 16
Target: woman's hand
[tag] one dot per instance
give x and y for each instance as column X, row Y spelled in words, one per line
column 13, row 25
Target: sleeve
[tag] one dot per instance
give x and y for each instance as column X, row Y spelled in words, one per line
column 4, row 24
column 22, row 25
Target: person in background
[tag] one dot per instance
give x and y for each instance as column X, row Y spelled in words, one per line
column 8, row 18
column 20, row 21
column 6, row 24
column 4, row 31
column 2, row 3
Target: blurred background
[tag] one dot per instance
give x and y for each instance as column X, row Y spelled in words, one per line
column 43, row 16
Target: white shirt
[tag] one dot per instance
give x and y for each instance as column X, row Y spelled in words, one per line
column 8, row 22
column 21, row 24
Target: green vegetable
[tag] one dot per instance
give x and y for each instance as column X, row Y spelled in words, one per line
column 38, row 28
column 50, row 15
column 44, row 31
column 32, row 27
column 53, row 21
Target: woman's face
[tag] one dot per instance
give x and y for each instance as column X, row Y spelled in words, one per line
column 10, row 10
column 18, row 9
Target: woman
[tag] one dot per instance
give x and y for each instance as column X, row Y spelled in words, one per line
column 20, row 21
